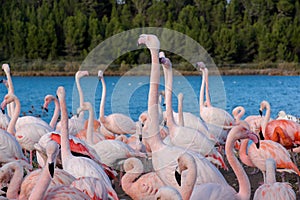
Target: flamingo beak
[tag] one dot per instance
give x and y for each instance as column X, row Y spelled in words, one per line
column 140, row 138
column 178, row 177
column 44, row 108
column 254, row 138
column 260, row 112
column 51, row 168
column 261, row 135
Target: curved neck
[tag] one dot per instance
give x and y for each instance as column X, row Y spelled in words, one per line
column 208, row 102
column 55, row 114
column 201, row 98
column 238, row 113
column 152, row 136
column 244, row 184
column 168, row 94
column 102, row 102
column 180, row 112
column 190, row 179
column 15, row 182
column 243, row 153
column 80, row 93
column 90, row 127
column 15, row 116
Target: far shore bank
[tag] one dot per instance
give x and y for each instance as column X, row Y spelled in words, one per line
column 220, row 71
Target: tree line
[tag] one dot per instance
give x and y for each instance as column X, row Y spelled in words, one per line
column 238, row 31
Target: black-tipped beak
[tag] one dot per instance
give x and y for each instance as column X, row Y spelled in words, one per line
column 1, row 81
column 258, row 144
column 260, row 113
column 178, row 177
column 261, row 135
column 3, row 111
column 140, row 138
column 43, row 108
column 162, row 60
column 164, row 104
column 51, row 169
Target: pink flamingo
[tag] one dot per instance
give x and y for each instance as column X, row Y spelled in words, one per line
column 218, row 121
column 47, row 100
column 41, row 191
column 164, row 157
column 13, row 173
column 182, row 136
column 78, row 166
column 137, row 184
column 76, row 123
column 10, row 148
column 272, row 190
column 214, row 191
column 116, row 123
column 285, row 132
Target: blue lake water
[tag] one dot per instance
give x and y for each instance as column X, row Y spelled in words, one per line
column 128, row 94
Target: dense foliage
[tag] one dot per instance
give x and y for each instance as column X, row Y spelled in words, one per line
column 241, row 31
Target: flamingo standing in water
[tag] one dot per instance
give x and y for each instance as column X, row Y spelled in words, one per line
column 136, row 183
column 285, row 132
column 41, row 191
column 182, row 136
column 116, row 122
column 218, row 121
column 164, row 157
column 272, row 190
column 78, row 166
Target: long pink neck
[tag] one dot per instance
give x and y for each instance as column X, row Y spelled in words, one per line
column 15, row 182
column 266, row 118
column 208, row 102
column 102, row 103
column 11, row 106
column 64, row 138
column 42, row 184
column 168, row 92
column 81, row 96
column 131, row 175
column 180, row 112
column 244, row 184
column 152, row 136
column 55, row 114
column 238, row 113
column 90, row 127
column 15, row 116
column 201, row 98
column 243, row 153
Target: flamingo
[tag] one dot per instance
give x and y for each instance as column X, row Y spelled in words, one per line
column 4, row 118
column 217, row 120
column 76, row 123
column 110, row 151
column 13, row 171
column 164, row 157
column 182, row 136
column 10, row 87
column 78, row 166
column 10, row 149
column 282, row 115
column 47, row 100
column 116, row 123
column 272, row 190
column 285, row 132
column 136, row 183
column 41, row 191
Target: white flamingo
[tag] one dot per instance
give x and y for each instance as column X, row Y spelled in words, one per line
column 116, row 122
column 78, row 166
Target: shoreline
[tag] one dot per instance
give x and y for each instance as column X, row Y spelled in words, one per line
column 220, row 71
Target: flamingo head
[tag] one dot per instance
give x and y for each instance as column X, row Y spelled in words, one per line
column 5, row 67
column 10, row 97
column 52, row 150
column 80, row 74
column 164, row 61
column 61, row 93
column 47, row 100
column 241, row 131
column 201, row 65
column 100, row 74
column 151, row 41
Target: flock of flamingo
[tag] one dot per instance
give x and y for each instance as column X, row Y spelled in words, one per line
column 164, row 155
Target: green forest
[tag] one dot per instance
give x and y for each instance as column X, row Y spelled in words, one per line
column 56, row 35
